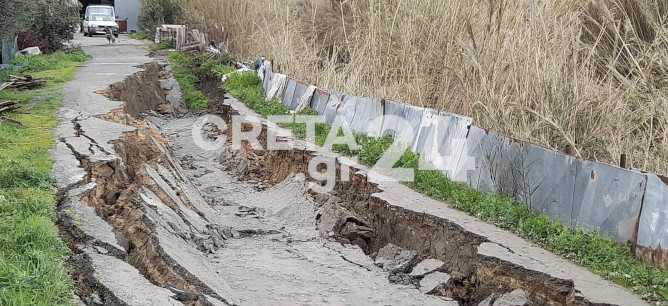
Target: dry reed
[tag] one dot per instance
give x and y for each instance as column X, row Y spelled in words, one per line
column 590, row 74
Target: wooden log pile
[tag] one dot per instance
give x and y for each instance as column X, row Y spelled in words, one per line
column 23, row 82
column 8, row 106
column 184, row 40
column 195, row 40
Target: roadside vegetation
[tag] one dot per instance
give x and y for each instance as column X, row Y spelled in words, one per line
column 138, row 35
column 187, row 77
column 586, row 73
column 31, row 253
column 163, row 45
column 599, row 254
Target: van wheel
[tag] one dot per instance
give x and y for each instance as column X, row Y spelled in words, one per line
column 116, row 35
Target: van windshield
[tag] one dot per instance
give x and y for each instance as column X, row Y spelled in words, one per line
column 100, row 10
column 100, row 17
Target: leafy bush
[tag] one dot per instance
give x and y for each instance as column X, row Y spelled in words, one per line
column 46, row 22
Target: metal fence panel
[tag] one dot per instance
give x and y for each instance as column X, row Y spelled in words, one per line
column 367, row 110
column 504, row 159
column 268, row 75
column 450, row 142
column 391, row 109
column 548, row 182
column 300, row 90
column 425, row 131
column 290, row 86
column 346, row 109
column 608, row 198
column 319, row 101
column 332, row 105
column 653, row 223
column 473, row 166
column 413, row 115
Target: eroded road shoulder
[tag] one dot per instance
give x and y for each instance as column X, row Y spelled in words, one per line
column 154, row 220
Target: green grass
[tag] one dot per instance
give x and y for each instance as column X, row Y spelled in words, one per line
column 184, row 72
column 138, row 35
column 163, row 45
column 55, row 61
column 31, row 254
column 597, row 253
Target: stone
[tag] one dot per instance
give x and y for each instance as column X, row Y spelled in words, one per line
column 426, row 266
column 435, row 282
column 395, row 259
column 516, row 297
column 101, row 250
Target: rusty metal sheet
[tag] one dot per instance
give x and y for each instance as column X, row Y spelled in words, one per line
column 290, row 86
column 608, row 198
column 391, row 108
column 652, row 234
column 319, row 101
column 367, row 110
column 332, row 104
column 547, row 182
column 346, row 109
column 300, row 90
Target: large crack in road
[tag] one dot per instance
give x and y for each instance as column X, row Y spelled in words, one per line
column 154, row 220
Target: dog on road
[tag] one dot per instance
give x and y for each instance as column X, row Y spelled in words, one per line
column 110, row 35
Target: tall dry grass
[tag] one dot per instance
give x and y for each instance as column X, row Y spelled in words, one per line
column 592, row 74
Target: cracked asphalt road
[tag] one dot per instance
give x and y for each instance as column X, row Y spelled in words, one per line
column 179, row 226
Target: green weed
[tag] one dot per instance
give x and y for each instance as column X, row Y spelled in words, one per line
column 138, row 35
column 163, row 45
column 184, row 72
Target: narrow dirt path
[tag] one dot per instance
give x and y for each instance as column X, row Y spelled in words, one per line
column 154, row 220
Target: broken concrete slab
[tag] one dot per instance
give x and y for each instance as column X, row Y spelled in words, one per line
column 395, row 259
column 82, row 223
column 101, row 132
column 66, row 167
column 435, row 282
column 516, row 297
column 398, row 197
column 426, row 266
column 85, row 148
column 123, row 284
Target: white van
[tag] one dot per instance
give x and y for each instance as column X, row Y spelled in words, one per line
column 99, row 17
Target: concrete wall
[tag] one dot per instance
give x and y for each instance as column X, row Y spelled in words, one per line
column 622, row 204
